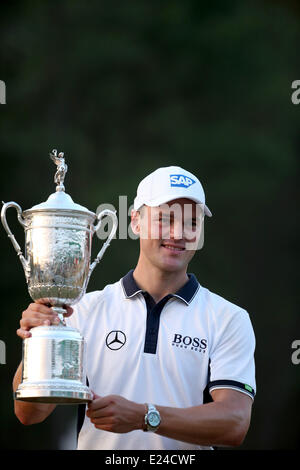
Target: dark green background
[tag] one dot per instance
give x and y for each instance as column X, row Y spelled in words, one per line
column 126, row 87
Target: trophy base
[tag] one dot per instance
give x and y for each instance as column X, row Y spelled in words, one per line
column 59, row 396
column 53, row 367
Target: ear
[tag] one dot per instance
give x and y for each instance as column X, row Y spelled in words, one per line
column 135, row 222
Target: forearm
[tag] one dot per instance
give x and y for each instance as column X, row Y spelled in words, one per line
column 26, row 412
column 211, row 424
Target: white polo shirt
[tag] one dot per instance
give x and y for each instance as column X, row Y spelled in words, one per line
column 173, row 353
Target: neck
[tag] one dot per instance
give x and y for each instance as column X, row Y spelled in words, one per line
column 158, row 283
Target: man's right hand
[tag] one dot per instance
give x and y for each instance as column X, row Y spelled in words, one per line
column 38, row 314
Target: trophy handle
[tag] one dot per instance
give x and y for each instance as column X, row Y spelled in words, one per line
column 107, row 243
column 16, row 246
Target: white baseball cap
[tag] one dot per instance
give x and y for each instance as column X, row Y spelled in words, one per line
column 168, row 183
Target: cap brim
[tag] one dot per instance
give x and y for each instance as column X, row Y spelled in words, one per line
column 167, row 198
column 207, row 211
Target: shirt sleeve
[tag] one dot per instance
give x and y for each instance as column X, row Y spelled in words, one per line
column 232, row 359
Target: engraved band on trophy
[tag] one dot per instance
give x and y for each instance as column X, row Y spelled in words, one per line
column 58, row 240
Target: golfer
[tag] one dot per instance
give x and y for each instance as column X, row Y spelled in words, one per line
column 170, row 363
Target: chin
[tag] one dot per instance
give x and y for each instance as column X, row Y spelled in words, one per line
column 172, row 267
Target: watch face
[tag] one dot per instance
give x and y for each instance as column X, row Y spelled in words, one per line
column 153, row 419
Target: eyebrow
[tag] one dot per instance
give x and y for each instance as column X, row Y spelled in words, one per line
column 168, row 214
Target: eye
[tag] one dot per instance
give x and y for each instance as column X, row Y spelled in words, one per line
column 191, row 223
column 164, row 219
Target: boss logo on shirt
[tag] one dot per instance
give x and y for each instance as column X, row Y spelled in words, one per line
column 181, row 181
column 187, row 342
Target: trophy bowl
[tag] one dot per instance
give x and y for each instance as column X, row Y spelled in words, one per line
column 58, row 242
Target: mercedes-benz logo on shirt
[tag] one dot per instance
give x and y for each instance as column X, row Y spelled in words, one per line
column 115, row 340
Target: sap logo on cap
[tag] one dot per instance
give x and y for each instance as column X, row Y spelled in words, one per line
column 181, row 181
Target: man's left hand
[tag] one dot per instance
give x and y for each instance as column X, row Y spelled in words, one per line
column 116, row 414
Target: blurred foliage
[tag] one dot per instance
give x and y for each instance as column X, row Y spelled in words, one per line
column 126, row 87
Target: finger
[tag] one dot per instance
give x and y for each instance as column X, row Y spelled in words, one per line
column 100, row 423
column 104, row 427
column 30, row 319
column 29, row 314
column 40, row 308
column 99, row 403
column 69, row 310
column 104, row 407
column 27, row 323
column 23, row 333
column 100, row 414
column 94, row 396
column 93, row 404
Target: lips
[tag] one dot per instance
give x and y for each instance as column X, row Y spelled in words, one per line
column 173, row 247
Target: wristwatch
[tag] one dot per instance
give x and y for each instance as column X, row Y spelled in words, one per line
column 152, row 418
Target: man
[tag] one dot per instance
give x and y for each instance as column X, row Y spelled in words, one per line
column 164, row 354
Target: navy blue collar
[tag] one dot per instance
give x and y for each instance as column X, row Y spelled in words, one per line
column 185, row 293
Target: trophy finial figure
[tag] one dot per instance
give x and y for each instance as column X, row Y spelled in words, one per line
column 62, row 169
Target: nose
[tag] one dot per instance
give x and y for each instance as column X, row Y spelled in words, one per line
column 176, row 229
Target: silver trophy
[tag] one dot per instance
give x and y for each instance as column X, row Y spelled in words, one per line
column 57, row 267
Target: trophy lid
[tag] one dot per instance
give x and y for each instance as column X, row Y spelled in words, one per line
column 60, row 200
